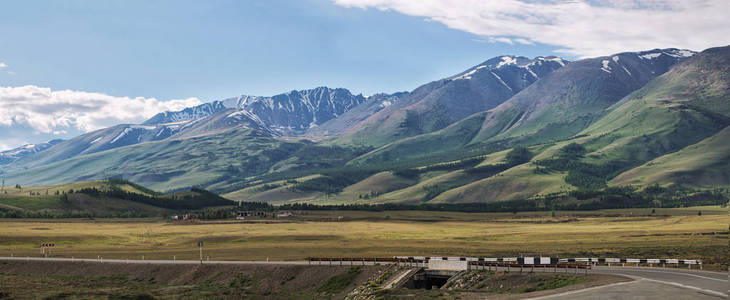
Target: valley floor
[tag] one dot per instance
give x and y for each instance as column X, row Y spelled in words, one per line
column 668, row 233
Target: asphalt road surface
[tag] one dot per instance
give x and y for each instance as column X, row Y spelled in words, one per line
column 713, row 283
column 649, row 283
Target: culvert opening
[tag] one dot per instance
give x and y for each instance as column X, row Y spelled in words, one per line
column 425, row 279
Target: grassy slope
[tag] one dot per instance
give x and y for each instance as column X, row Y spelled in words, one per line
column 678, row 109
column 379, row 183
column 169, row 164
column 22, row 200
column 705, row 164
column 247, row 193
column 515, row 183
column 566, row 101
column 451, row 138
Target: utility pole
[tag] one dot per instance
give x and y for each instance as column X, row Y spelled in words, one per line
column 200, row 246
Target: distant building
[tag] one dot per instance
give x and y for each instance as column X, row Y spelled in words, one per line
column 242, row 215
column 284, row 214
column 184, row 217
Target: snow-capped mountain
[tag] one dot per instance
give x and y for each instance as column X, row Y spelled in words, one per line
column 297, row 111
column 357, row 114
column 187, row 114
column 289, row 113
column 11, row 155
column 594, row 84
column 440, row 103
column 514, row 72
column 284, row 114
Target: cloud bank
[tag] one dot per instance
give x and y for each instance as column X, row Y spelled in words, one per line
column 580, row 28
column 54, row 112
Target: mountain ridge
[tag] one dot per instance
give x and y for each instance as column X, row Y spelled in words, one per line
column 645, row 105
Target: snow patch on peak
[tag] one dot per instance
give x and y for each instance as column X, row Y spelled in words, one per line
column 121, row 135
column 530, row 71
column 651, row 55
column 555, row 59
column 627, row 71
column 507, row 60
column 467, row 75
column 245, row 114
column 615, row 59
column 680, row 53
column 605, row 66
column 502, row 81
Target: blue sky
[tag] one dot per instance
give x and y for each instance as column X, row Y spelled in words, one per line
column 69, row 67
column 216, row 49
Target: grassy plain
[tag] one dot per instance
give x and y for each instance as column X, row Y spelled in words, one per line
column 669, row 233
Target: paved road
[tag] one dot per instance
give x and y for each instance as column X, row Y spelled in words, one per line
column 689, row 282
column 637, row 289
column 714, row 283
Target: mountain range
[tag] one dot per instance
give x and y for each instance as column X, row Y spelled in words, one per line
column 637, row 118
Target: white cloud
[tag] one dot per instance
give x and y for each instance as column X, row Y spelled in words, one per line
column 501, row 40
column 54, row 112
column 3, row 65
column 579, row 27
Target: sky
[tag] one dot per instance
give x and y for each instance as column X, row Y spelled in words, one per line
column 69, row 67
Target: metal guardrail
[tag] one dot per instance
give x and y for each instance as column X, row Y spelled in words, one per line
column 543, row 260
column 546, row 262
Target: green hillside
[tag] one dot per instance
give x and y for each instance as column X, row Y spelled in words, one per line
column 220, row 161
column 679, row 109
column 582, row 129
column 107, row 198
column 703, row 165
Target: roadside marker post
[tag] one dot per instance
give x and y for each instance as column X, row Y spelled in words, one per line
column 200, row 247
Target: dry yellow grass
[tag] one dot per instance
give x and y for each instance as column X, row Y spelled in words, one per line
column 481, row 235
